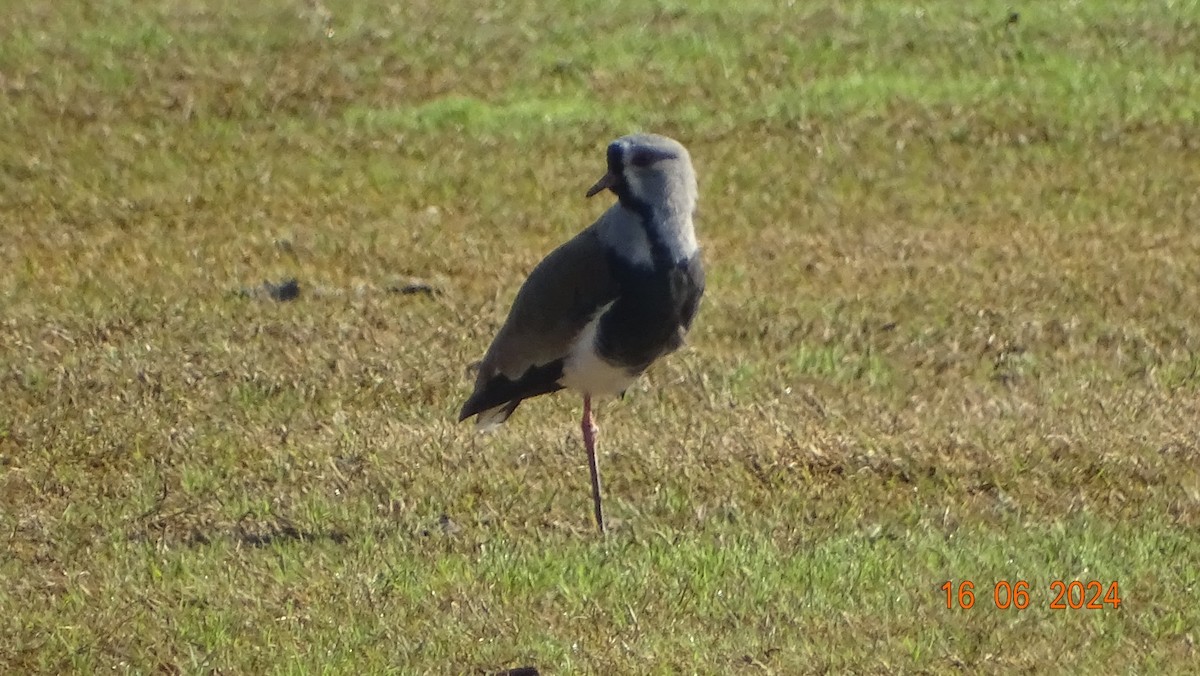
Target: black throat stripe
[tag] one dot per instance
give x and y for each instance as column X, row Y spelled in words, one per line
column 660, row 254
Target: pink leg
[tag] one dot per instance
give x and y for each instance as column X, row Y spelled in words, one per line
column 589, row 441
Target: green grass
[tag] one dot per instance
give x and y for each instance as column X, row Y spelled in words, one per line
column 731, row 600
column 950, row 334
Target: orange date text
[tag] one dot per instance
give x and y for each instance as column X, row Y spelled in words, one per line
column 1073, row 595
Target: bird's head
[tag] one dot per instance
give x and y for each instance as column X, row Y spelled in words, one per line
column 648, row 169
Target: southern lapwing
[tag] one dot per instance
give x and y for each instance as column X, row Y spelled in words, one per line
column 597, row 311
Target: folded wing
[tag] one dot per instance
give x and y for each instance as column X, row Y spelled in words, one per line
column 562, row 294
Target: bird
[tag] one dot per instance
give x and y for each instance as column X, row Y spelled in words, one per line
column 598, row 310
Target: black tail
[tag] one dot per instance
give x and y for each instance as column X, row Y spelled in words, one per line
column 500, row 391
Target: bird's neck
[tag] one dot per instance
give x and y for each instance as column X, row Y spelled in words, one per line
column 646, row 237
column 671, row 235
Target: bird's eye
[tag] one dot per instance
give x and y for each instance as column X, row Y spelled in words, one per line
column 642, row 159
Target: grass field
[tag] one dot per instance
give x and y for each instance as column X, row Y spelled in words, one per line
column 950, row 334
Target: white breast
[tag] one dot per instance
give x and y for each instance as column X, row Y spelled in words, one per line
column 585, row 371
